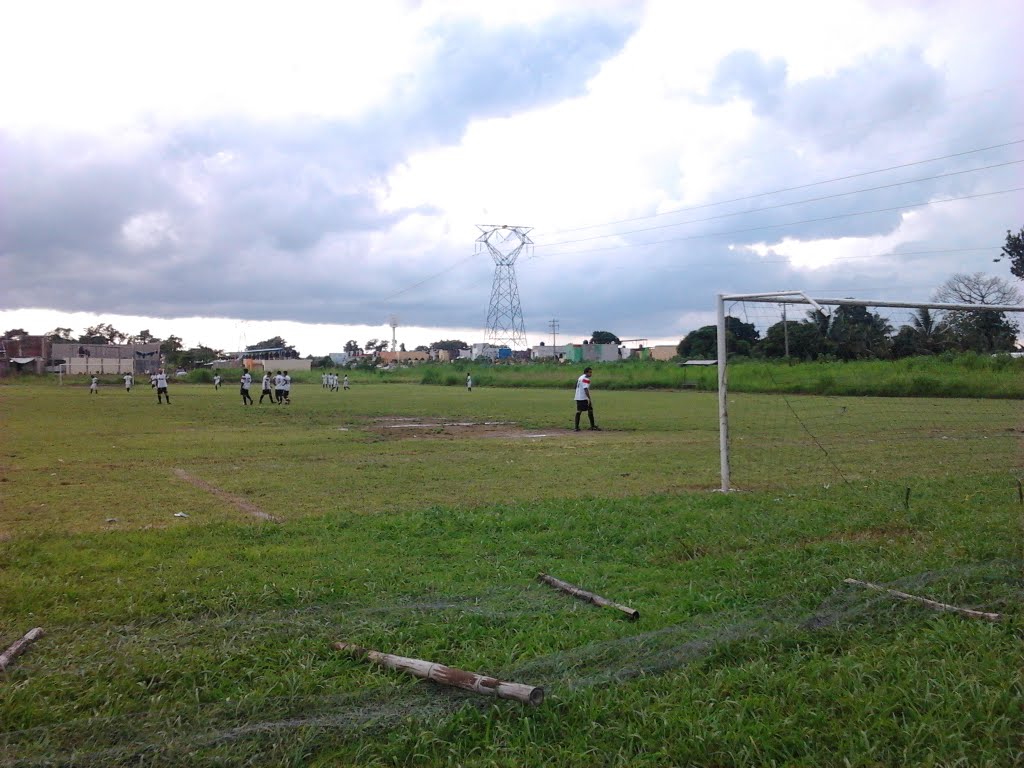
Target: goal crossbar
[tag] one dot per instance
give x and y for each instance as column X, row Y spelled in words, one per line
column 800, row 297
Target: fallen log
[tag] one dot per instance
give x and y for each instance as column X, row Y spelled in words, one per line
column 925, row 601
column 439, row 673
column 590, row 597
column 19, row 646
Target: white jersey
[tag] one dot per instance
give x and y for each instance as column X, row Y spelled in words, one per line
column 161, row 381
column 278, row 381
column 583, row 387
column 266, row 382
column 287, row 385
column 128, row 381
column 246, row 380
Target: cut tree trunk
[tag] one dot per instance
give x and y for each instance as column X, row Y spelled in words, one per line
column 925, row 601
column 590, row 597
column 19, row 646
column 439, row 673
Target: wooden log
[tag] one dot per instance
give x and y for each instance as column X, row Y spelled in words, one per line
column 19, row 646
column 439, row 673
column 590, row 597
column 930, row 603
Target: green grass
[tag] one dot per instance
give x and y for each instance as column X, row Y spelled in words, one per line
column 206, row 640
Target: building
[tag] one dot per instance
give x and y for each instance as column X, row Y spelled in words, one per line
column 25, row 355
column 403, row 357
column 593, row 353
column 664, row 351
column 78, row 358
column 544, row 352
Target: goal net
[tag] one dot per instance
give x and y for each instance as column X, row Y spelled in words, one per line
column 914, row 410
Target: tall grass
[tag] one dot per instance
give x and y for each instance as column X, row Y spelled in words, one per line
column 966, row 375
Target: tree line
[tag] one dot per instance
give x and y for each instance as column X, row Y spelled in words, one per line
column 856, row 333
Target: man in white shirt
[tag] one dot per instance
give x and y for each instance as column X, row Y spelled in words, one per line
column 287, row 388
column 583, row 400
column 266, row 388
column 128, row 381
column 161, row 386
column 216, row 381
column 94, row 385
column 246, row 382
column 344, row 382
column 279, row 387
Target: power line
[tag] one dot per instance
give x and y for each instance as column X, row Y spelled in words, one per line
column 789, row 223
column 792, row 189
column 784, row 205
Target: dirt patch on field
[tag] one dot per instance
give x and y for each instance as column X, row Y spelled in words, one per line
column 409, row 427
column 237, row 501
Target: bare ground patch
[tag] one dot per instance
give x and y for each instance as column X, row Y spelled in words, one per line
column 239, row 502
column 409, row 427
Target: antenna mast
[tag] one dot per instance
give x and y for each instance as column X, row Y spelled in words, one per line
column 504, row 314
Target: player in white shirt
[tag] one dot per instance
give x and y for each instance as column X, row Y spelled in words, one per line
column 584, row 402
column 344, row 383
column 94, row 385
column 279, row 387
column 246, row 382
column 287, row 389
column 216, row 381
column 266, row 388
column 129, row 380
column 161, row 386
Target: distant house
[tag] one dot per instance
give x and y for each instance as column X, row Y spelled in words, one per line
column 403, row 357
column 25, row 355
column 664, row 351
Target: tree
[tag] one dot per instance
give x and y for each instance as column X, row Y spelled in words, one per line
column 59, row 334
column 1014, row 251
column 16, row 334
column 604, row 337
column 926, row 334
column 353, row 348
column 701, row 344
column 452, row 345
column 859, row 334
column 102, row 333
column 401, row 347
column 980, row 330
column 804, row 337
column 376, row 346
column 142, row 337
column 198, row 355
column 422, row 348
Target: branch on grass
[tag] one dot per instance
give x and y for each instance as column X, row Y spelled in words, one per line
column 590, row 597
column 19, row 647
column 930, row 603
column 439, row 673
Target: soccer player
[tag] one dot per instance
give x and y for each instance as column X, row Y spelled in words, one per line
column 583, row 400
column 266, row 388
column 128, row 381
column 160, row 380
column 216, row 381
column 94, row 385
column 344, row 383
column 279, row 387
column 287, row 388
column 469, row 382
column 246, row 382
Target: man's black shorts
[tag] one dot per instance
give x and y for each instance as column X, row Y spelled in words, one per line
column 583, row 405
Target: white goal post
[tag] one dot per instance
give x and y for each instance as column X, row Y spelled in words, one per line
column 800, row 297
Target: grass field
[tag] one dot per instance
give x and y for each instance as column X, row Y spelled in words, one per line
column 414, row 519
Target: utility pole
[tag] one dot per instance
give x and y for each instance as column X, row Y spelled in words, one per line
column 553, row 325
column 785, row 330
column 504, row 314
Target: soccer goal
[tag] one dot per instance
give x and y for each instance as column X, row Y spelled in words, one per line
column 922, row 414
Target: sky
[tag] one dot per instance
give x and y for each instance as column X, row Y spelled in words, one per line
column 232, row 171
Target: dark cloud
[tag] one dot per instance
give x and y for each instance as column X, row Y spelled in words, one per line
column 243, row 219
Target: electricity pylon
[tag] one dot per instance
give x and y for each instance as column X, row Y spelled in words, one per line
column 504, row 314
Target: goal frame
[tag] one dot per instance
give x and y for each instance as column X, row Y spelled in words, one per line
column 801, row 297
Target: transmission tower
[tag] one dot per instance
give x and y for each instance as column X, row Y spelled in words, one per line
column 504, row 315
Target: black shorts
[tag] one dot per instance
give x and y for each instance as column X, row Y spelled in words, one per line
column 161, row 390
column 243, row 391
column 583, row 405
column 267, row 393
column 279, row 393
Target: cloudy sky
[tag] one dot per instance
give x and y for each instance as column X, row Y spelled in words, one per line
column 231, row 171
